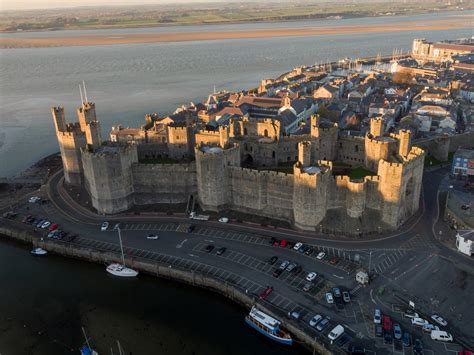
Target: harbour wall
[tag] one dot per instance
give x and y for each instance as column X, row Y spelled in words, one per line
column 162, row 271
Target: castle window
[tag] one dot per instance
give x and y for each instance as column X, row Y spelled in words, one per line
column 245, row 131
column 340, row 144
column 251, row 148
column 273, row 154
column 265, row 133
column 177, row 137
column 246, row 147
column 356, row 148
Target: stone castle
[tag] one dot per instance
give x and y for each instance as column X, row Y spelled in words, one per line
column 238, row 166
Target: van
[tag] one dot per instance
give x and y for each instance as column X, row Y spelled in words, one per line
column 441, row 335
column 337, row 331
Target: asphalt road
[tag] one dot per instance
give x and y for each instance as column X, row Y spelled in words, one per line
column 393, row 260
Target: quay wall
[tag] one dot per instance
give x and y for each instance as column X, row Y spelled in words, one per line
column 162, row 271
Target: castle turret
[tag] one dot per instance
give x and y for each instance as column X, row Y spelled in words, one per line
column 213, row 181
column 86, row 114
column 304, row 153
column 314, row 122
column 224, row 136
column 324, row 139
column 404, row 142
column 376, row 127
column 93, row 135
column 59, row 118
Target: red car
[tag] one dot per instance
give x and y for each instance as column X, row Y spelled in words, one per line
column 276, row 243
column 283, row 243
column 53, row 227
column 265, row 293
column 387, row 323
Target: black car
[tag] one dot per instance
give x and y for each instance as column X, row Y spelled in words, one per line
column 343, row 339
column 378, row 330
column 277, row 272
column 290, row 245
column 273, row 260
column 418, row 347
column 303, row 248
column 356, row 349
column 387, row 338
column 191, row 228
column 406, row 339
column 209, row 248
column 309, row 251
column 272, row 241
column 322, row 325
column 221, row 251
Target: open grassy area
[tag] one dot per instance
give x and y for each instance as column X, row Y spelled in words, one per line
column 360, row 173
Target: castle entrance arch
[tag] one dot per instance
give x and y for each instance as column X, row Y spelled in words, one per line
column 247, row 161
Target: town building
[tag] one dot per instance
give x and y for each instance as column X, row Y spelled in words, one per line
column 465, row 242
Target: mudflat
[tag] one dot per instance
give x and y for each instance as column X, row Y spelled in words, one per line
column 157, row 37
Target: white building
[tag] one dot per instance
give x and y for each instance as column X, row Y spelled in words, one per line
column 465, row 241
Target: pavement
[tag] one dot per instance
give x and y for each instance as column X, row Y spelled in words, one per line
column 411, row 264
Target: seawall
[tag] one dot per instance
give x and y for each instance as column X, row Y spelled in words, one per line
column 162, row 270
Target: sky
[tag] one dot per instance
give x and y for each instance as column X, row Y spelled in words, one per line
column 48, row 4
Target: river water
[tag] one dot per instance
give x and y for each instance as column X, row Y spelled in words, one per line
column 45, row 301
column 127, row 81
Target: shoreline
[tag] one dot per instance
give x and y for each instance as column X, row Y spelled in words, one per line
column 150, row 37
column 156, row 269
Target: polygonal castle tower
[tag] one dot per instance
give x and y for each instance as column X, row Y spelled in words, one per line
column 72, row 137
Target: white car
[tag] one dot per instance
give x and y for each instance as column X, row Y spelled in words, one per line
column 321, row 255
column 223, row 219
column 440, row 320
column 428, row 328
column 336, row 332
column 315, row 320
column 311, row 276
column 104, row 226
column 117, row 226
column 441, row 335
column 329, row 298
column 420, row 322
column 153, row 237
column 377, row 316
column 46, row 224
column 297, row 246
column 34, row 199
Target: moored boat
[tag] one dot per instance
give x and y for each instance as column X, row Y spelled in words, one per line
column 268, row 326
column 121, row 270
column 38, row 251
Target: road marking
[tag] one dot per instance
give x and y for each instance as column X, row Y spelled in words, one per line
column 208, row 240
column 194, row 256
column 339, row 277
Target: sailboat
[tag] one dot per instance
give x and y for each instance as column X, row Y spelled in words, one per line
column 121, row 270
column 86, row 349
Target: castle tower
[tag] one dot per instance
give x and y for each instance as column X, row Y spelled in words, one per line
column 223, row 136
column 108, row 176
column 376, row 127
column 213, row 180
column 86, row 114
column 59, row 118
column 304, row 153
column 93, row 135
column 404, row 142
column 314, row 122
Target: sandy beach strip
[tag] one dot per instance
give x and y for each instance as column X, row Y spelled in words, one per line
column 156, row 37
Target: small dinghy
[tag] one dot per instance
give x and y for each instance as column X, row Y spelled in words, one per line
column 39, row 251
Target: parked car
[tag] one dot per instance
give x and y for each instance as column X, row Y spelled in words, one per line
column 50, row 234
column 53, row 227
column 290, row 267
column 152, row 236
column 336, row 332
column 387, row 337
column 297, row 270
column 315, row 320
column 406, row 339
column 284, row 264
column 343, row 340
column 397, row 331
column 34, row 199
column 321, row 255
column 329, row 298
column 297, row 246
column 418, row 347
column 223, row 219
column 303, row 249
column 337, row 292
column 419, row 322
column 334, row 260
column 276, row 242
column 266, row 292
column 346, row 297
column 322, row 325
column 387, row 323
column 308, row 286
column 191, row 228
column 283, row 243
column 209, row 248
column 277, row 272
column 378, row 330
column 221, row 251
column 309, row 251
column 409, row 313
column 356, row 349
column 272, row 240
column 428, row 328
column 377, row 316
column 273, row 260
column 104, row 226
column 295, row 315
column 440, row 320
column 311, row 276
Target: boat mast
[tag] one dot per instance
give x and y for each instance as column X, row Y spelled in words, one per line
column 85, row 337
column 121, row 246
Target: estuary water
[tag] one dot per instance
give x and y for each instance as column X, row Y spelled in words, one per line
column 44, row 302
column 128, row 81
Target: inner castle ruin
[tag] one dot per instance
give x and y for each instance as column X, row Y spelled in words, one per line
column 230, row 167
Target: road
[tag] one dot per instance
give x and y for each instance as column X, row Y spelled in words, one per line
column 394, row 260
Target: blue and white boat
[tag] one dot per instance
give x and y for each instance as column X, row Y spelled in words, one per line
column 268, row 326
